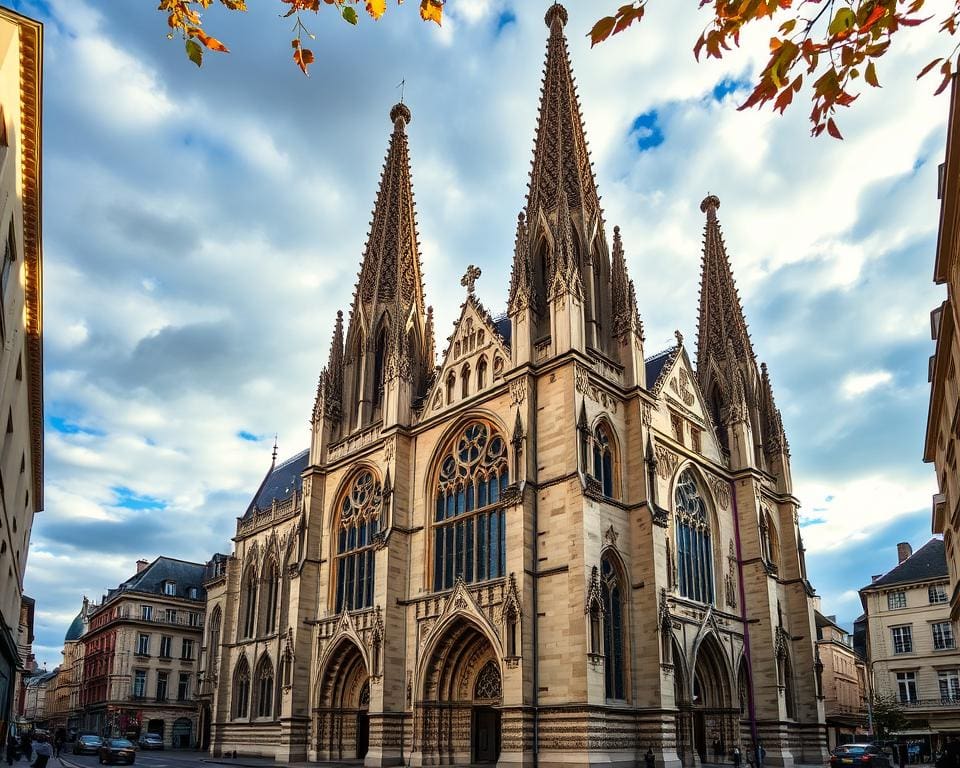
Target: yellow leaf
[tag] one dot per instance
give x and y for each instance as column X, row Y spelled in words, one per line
column 376, row 8
column 431, row 10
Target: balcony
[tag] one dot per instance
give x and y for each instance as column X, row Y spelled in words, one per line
column 943, row 703
column 180, row 621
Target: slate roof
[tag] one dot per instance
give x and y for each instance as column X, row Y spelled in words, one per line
column 75, row 630
column 151, row 579
column 280, row 483
column 656, row 364
column 504, row 328
column 928, row 562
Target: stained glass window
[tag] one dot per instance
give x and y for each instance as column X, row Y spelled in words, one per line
column 357, row 525
column 488, row 686
column 241, row 689
column 469, row 535
column 694, row 552
column 613, row 636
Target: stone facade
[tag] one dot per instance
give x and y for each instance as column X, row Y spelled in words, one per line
column 21, row 353
column 140, row 655
column 911, row 646
column 547, row 549
column 844, row 682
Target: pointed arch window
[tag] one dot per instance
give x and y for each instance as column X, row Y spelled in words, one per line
column 379, row 365
column 469, row 536
column 264, row 688
column 213, row 652
column 249, row 597
column 465, row 382
column 611, row 591
column 597, row 449
column 694, row 548
column 488, row 686
column 451, row 386
column 268, row 597
column 357, row 523
column 241, row 689
column 482, row 373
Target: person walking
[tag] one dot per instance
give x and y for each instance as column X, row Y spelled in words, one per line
column 26, row 748
column 649, row 760
column 761, row 754
column 42, row 747
column 736, row 756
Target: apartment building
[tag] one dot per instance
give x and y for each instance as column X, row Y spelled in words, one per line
column 844, row 679
column 911, row 647
column 64, row 710
column 140, row 651
column 21, row 348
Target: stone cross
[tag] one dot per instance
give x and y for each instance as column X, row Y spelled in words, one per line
column 470, row 277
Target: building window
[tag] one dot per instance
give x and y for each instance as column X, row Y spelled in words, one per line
column 187, row 651
column 140, row 683
column 146, row 612
column 193, row 593
column 942, row 636
column 183, row 687
column 695, row 439
column 161, row 686
column 250, row 603
column 907, row 686
column 937, row 594
column 896, row 600
column 603, row 462
column 482, row 373
column 241, row 689
column 676, row 423
column 166, row 643
column 269, row 598
column 170, row 588
column 469, row 535
column 356, row 527
column 9, row 257
column 902, row 639
column 694, row 552
column 194, row 619
column 214, row 654
column 143, row 645
column 949, row 681
column 265, row 688
column 171, row 616
column 613, row 630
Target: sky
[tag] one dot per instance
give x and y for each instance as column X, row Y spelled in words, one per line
column 203, row 226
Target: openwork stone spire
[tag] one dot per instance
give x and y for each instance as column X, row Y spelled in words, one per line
column 391, row 272
column 330, row 385
column 776, row 438
column 560, row 156
column 721, row 326
column 521, row 278
column 626, row 316
column 565, row 271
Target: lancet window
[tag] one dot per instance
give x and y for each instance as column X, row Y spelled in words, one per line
column 241, row 689
column 694, row 552
column 249, row 598
column 268, row 597
column 468, row 540
column 264, row 688
column 613, row 630
column 358, row 522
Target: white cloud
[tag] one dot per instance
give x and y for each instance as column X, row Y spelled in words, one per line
column 858, row 384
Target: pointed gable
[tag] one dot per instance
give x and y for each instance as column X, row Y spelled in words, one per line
column 476, row 344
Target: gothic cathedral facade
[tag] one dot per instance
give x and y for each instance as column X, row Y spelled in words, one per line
column 547, row 550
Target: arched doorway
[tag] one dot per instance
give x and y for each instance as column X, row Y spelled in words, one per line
column 182, row 732
column 462, row 689
column 341, row 725
column 708, row 720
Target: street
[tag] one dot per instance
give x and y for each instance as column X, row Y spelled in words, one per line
column 153, row 759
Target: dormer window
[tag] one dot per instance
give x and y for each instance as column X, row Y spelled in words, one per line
column 170, row 588
column 193, row 593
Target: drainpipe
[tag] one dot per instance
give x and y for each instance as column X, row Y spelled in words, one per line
column 531, row 451
column 751, row 708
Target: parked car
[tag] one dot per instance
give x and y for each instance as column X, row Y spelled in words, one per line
column 117, row 751
column 151, row 741
column 87, row 744
column 860, row 755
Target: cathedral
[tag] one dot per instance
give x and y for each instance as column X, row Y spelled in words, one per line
column 547, row 550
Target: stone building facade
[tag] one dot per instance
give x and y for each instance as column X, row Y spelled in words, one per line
column 66, row 711
column 844, row 679
column 547, row 549
column 21, row 348
column 911, row 645
column 141, row 653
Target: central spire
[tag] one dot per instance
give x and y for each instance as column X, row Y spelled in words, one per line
column 391, row 269
column 560, row 157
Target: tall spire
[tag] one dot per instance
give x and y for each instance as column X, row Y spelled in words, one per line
column 330, row 384
column 565, row 272
column 560, row 156
column 521, row 278
column 626, row 316
column 776, row 438
column 721, row 325
column 391, row 269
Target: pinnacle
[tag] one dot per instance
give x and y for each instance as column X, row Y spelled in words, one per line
column 709, row 206
column 556, row 13
column 400, row 112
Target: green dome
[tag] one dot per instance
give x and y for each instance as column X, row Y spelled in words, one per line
column 75, row 632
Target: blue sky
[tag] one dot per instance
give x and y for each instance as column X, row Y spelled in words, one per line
column 202, row 227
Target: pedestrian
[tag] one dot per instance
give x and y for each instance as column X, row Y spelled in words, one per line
column 717, row 750
column 12, row 745
column 57, row 744
column 649, row 759
column 26, row 749
column 42, row 747
column 761, row 754
column 736, row 756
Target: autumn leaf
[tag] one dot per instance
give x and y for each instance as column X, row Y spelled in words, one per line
column 350, row 15
column 194, row 52
column 302, row 57
column 376, row 8
column 870, row 75
column 602, row 30
column 431, row 10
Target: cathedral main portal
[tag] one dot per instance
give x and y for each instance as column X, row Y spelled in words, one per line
column 341, row 725
column 462, row 690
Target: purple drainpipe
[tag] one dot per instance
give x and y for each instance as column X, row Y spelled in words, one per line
column 751, row 709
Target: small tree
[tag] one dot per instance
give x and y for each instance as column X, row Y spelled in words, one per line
column 888, row 716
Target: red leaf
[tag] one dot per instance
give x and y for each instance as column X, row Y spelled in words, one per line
column 833, row 130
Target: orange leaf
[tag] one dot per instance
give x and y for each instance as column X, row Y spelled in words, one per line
column 302, row 57
column 431, row 10
column 376, row 8
column 602, row 30
column 927, row 68
column 833, row 130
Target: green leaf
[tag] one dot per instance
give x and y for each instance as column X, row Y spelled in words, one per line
column 194, row 52
column 350, row 15
column 844, row 19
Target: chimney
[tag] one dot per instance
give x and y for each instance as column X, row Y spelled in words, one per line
column 904, row 550
column 142, row 565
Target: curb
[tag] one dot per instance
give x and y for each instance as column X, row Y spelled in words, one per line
column 240, row 764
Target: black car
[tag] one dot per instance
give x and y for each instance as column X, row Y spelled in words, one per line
column 117, row 751
column 87, row 744
column 859, row 756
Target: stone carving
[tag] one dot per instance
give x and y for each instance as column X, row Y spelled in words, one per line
column 511, row 600
column 470, row 278
column 663, row 612
column 390, row 448
column 581, row 379
column 667, row 462
column 611, row 536
column 685, row 394
column 518, row 390
column 659, row 515
column 594, row 599
column 646, row 414
column 721, row 491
